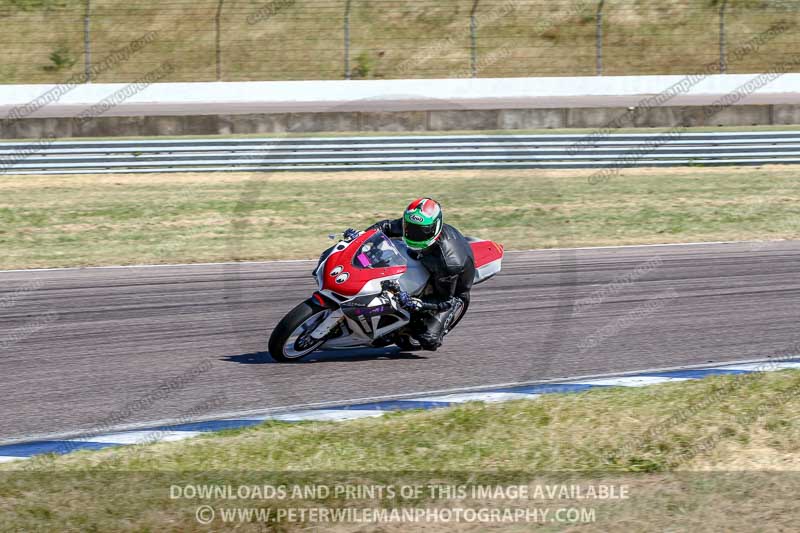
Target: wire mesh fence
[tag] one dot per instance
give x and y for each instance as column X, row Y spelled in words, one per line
column 48, row 41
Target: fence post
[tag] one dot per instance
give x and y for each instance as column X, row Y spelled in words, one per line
column 87, row 42
column 347, row 40
column 218, row 39
column 723, row 54
column 599, row 38
column 473, row 35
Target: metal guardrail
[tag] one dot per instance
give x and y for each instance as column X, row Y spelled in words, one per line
column 401, row 153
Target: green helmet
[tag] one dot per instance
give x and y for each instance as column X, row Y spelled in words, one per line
column 422, row 223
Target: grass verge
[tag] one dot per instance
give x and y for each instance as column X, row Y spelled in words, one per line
column 52, row 221
column 715, row 454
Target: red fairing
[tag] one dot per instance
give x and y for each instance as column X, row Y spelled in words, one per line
column 340, row 265
column 485, row 252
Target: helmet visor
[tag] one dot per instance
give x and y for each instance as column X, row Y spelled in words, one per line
column 418, row 233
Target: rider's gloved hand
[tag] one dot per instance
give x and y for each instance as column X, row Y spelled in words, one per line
column 350, row 234
column 407, row 302
column 391, row 285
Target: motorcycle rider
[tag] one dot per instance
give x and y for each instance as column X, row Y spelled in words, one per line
column 445, row 253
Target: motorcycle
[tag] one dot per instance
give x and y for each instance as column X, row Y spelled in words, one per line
column 356, row 304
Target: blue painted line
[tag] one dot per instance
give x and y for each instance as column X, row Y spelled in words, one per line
column 26, row 450
column 395, row 405
column 698, row 374
column 60, row 447
column 212, row 425
column 549, row 388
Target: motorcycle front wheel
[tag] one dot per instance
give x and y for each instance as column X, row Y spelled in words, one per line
column 291, row 339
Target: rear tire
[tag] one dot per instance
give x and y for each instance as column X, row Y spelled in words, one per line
column 288, row 342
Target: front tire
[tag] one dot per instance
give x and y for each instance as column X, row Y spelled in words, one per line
column 290, row 341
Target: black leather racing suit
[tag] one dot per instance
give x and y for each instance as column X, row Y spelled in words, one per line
column 452, row 267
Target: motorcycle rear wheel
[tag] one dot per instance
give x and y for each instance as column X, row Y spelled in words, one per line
column 290, row 341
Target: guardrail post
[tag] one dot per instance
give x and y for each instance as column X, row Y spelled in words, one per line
column 598, row 33
column 87, row 41
column 723, row 54
column 218, row 39
column 473, row 35
column 347, row 75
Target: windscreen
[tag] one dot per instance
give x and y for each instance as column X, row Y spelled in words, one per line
column 378, row 252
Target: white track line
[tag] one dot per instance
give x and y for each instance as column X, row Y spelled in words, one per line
column 488, row 397
column 321, row 415
column 141, row 437
column 631, row 381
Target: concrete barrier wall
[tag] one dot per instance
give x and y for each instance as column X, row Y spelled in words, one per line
column 364, row 95
column 410, row 121
column 396, row 105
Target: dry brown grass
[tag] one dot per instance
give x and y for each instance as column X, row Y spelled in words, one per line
column 168, row 178
column 399, row 39
column 50, row 221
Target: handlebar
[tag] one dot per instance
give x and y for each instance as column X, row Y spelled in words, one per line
column 390, row 287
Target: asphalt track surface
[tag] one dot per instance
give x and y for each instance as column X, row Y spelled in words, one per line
column 93, row 349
